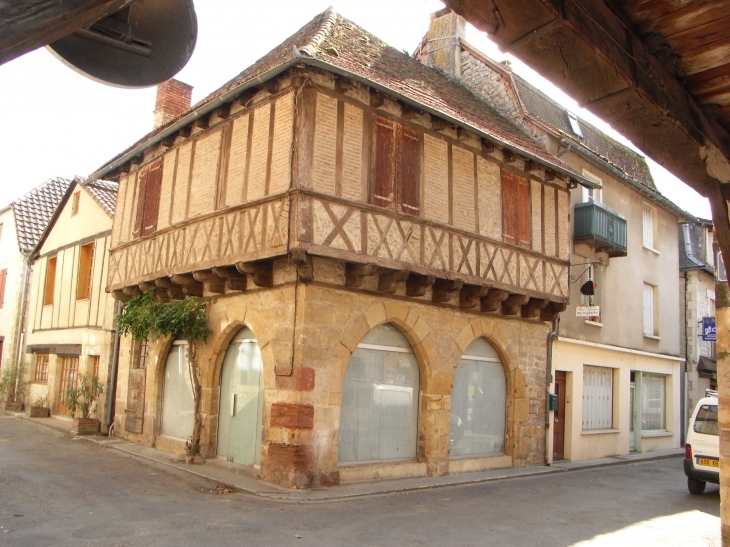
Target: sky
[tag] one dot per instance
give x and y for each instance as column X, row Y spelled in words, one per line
column 57, row 123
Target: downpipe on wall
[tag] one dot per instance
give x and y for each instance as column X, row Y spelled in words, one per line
column 551, row 337
column 112, row 390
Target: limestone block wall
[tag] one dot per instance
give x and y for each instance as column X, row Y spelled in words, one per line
column 307, row 333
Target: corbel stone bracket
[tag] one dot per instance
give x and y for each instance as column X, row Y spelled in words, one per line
column 234, row 280
column 470, row 295
column 417, row 284
column 442, row 289
column 389, row 279
column 262, row 273
column 354, row 273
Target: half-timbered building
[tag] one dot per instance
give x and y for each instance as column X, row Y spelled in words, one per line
column 383, row 254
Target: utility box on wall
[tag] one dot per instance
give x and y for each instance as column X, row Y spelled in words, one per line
column 552, row 401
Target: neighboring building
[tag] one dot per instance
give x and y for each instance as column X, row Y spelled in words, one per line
column 70, row 316
column 21, row 225
column 383, row 254
column 618, row 375
column 697, row 293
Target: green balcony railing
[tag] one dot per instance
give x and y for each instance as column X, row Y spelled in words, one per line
column 601, row 228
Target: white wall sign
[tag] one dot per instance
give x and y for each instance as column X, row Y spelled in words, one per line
column 588, row 311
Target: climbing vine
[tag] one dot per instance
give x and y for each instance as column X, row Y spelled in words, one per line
column 146, row 317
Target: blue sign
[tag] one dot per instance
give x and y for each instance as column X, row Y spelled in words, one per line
column 708, row 329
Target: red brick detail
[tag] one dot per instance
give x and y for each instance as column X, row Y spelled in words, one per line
column 173, row 98
column 292, row 416
column 305, row 379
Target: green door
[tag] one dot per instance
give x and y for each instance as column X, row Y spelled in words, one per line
column 239, row 418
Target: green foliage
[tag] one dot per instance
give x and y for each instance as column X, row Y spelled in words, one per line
column 145, row 317
column 12, row 386
column 40, row 401
column 82, row 398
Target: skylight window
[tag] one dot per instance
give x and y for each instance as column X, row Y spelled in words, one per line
column 573, row 119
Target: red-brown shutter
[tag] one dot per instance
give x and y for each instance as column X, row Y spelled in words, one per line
column 509, row 208
column 3, row 278
column 524, row 234
column 408, row 170
column 152, row 198
column 141, row 198
column 384, row 187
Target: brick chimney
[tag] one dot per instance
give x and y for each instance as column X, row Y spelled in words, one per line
column 173, row 98
column 442, row 48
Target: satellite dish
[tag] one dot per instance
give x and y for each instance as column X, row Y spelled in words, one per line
column 142, row 45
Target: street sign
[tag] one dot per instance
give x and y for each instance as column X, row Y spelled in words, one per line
column 709, row 332
column 721, row 273
column 588, row 311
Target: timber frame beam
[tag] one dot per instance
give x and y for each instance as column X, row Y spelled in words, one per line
column 26, row 25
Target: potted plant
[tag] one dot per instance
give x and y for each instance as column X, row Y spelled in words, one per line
column 12, row 386
column 82, row 399
column 38, row 409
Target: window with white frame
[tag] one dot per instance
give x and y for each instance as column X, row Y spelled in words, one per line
column 597, row 397
column 592, row 194
column 649, row 226
column 653, row 399
column 709, row 250
column 650, row 328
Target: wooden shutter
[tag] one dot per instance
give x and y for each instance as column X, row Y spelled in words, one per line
column 384, row 187
column 408, row 170
column 649, row 310
column 3, row 278
column 524, row 216
column 597, row 397
column 141, row 198
column 509, row 208
column 49, row 289
column 152, row 198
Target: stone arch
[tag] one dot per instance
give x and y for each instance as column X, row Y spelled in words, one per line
column 158, row 350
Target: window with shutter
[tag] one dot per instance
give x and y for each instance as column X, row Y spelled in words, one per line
column 148, row 200
column 597, row 397
column 648, row 227
column 49, row 289
column 85, row 270
column 3, row 279
column 396, row 167
column 649, row 310
column 516, row 218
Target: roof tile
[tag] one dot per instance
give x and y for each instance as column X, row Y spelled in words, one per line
column 35, row 209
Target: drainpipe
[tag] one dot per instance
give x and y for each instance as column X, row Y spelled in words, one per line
column 552, row 336
column 683, row 394
column 112, row 391
column 21, row 320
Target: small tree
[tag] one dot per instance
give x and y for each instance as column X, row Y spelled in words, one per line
column 145, row 317
column 12, row 386
column 82, row 398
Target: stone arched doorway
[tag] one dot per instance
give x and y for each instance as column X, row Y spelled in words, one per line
column 241, row 399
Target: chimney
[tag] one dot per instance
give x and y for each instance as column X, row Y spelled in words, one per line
column 442, row 47
column 173, row 98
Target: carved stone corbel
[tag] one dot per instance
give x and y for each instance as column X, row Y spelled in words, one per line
column 173, row 291
column 262, row 273
column 190, row 285
column 234, row 280
column 513, row 303
column 533, row 306
column 160, row 294
column 551, row 311
column 303, row 263
column 470, row 295
column 211, row 282
column 354, row 273
column 442, row 289
column 493, row 300
column 118, row 294
column 132, row 291
column 417, row 284
column 389, row 279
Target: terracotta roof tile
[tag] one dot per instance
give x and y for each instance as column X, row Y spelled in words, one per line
column 34, row 210
column 337, row 41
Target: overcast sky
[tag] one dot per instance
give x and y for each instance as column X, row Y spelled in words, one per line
column 58, row 123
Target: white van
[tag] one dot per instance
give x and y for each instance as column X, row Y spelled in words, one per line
column 702, row 451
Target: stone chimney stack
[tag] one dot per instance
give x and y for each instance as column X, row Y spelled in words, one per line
column 442, row 42
column 173, row 98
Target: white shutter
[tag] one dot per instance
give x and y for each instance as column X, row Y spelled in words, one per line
column 597, row 397
column 648, row 227
column 648, row 309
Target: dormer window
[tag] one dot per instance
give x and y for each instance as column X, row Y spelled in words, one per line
column 574, row 124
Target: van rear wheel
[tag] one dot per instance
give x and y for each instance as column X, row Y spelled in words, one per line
column 695, row 487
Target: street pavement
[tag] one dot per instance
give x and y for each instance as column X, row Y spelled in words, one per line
column 61, row 491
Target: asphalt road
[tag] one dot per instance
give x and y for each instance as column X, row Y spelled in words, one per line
column 56, row 491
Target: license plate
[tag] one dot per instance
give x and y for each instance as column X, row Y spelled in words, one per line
column 708, row 462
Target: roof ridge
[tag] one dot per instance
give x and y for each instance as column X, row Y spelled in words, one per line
column 329, row 20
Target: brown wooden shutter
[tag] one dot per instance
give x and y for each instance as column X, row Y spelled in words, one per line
column 509, row 208
column 384, row 187
column 3, row 278
column 141, row 198
column 407, row 158
column 524, row 216
column 152, row 198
